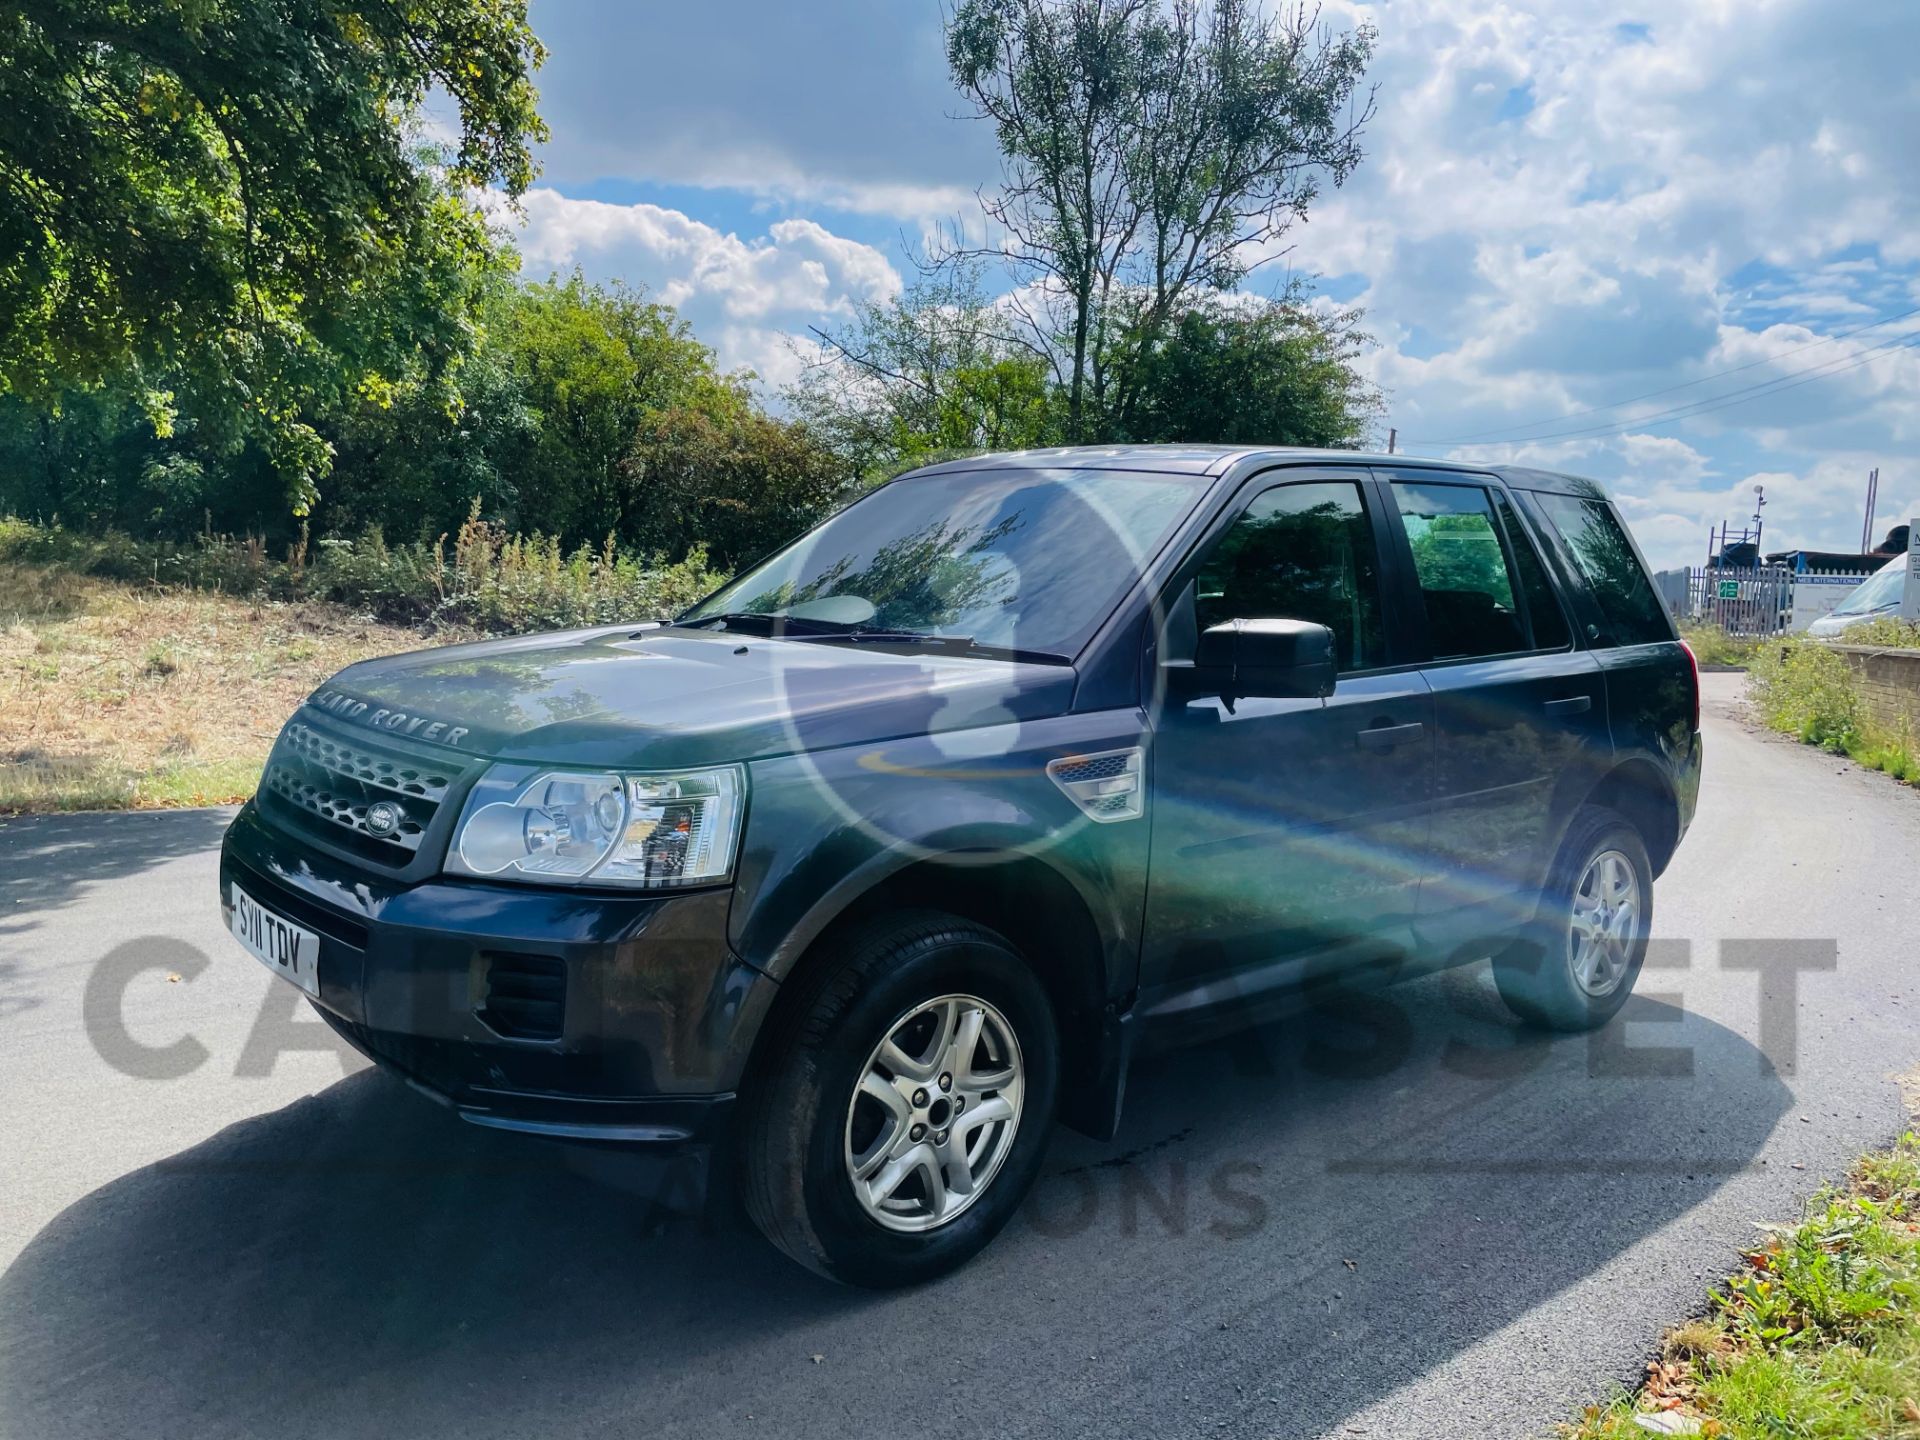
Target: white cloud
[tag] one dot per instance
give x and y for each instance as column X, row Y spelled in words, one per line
column 745, row 297
column 1564, row 205
column 1558, row 213
column 798, row 266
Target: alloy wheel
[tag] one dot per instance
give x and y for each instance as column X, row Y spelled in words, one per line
column 934, row 1113
column 1605, row 923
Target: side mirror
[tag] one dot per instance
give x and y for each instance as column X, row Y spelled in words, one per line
column 1274, row 659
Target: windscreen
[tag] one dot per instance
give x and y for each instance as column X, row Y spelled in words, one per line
column 1880, row 591
column 1024, row 559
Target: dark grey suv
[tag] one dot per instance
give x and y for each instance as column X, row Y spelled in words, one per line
column 867, row 869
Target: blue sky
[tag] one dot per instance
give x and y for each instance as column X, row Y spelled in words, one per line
column 1565, row 204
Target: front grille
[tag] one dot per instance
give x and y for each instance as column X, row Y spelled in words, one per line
column 331, row 785
column 370, row 767
column 526, row 996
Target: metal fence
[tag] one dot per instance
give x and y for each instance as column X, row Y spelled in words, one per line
column 1752, row 600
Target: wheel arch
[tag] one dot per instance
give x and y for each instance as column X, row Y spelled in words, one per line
column 1638, row 790
column 1049, row 924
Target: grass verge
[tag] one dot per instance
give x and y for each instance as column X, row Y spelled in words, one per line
column 114, row 696
column 1713, row 646
column 1805, row 689
column 1816, row 1338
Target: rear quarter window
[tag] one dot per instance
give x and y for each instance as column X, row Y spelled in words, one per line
column 1605, row 556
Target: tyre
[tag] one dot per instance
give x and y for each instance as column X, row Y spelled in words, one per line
column 905, row 1105
column 1589, row 939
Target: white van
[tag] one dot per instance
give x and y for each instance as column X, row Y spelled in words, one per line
column 1875, row 598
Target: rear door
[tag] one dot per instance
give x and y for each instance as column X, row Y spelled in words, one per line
column 1519, row 710
column 1652, row 695
column 1286, row 829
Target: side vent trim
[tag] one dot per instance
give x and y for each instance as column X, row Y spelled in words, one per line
column 1108, row 786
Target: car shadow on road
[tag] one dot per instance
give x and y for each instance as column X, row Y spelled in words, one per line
column 1289, row 1227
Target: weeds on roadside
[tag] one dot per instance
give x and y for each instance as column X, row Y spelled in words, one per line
column 1817, row 1336
column 1805, row 689
column 1887, row 632
column 492, row 581
column 1712, row 645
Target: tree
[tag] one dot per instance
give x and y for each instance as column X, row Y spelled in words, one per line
column 414, row 465
column 1154, row 151
column 932, row 372
column 1255, row 372
column 596, row 364
column 729, row 478
column 209, row 191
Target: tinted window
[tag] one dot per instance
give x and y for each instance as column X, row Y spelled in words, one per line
column 1606, row 559
column 1031, row 559
column 1462, row 569
column 1300, row 552
column 1548, row 620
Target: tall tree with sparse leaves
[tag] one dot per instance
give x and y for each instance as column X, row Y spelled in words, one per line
column 1154, row 151
column 204, row 193
column 935, row 371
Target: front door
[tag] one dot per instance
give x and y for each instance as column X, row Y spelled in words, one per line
column 1285, row 830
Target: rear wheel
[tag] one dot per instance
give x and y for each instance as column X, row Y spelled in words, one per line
column 906, row 1104
column 1578, row 967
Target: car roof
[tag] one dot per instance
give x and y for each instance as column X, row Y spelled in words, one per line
column 1216, row 460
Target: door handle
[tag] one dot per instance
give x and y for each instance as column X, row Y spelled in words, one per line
column 1385, row 737
column 1572, row 705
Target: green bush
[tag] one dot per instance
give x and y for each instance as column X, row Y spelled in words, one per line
column 1805, row 689
column 1713, row 646
column 493, row 581
column 1893, row 756
column 1887, row 632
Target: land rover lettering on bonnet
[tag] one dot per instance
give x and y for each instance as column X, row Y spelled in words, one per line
column 859, row 875
column 382, row 718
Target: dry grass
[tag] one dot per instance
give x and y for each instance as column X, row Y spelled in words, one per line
column 115, row 696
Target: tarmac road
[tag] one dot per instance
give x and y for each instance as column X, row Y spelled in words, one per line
column 1411, row 1220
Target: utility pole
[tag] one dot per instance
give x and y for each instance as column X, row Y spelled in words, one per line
column 1873, row 496
column 1393, row 438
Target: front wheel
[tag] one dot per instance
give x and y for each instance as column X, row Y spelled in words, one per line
column 1577, row 968
column 906, row 1104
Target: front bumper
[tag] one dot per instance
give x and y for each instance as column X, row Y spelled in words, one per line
column 581, row 1015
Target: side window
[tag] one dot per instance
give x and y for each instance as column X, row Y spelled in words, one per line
column 1606, row 559
column 1300, row 552
column 1549, row 621
column 1462, row 570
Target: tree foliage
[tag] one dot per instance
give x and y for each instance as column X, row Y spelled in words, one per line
column 579, row 412
column 594, row 364
column 932, row 372
column 1154, row 152
column 730, row 479
column 1254, row 372
column 207, row 194
column 940, row 371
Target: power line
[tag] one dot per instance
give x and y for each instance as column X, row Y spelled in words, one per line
column 1778, row 385
column 1467, row 439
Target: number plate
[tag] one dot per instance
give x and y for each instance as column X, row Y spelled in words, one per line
column 287, row 950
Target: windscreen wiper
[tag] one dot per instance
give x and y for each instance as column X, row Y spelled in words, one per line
column 953, row 644
column 763, row 623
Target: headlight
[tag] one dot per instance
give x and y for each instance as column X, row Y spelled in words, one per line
column 593, row 828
